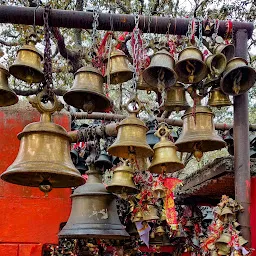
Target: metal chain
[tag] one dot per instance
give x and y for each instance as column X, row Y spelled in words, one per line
column 189, row 32
column 47, row 84
column 215, row 30
column 200, row 33
column 95, row 24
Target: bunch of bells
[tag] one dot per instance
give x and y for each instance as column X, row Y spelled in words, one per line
column 224, row 237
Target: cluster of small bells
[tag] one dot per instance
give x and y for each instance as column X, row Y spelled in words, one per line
column 44, row 156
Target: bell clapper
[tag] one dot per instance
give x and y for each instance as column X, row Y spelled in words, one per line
column 198, row 154
column 236, row 84
column 191, row 70
column 45, row 186
column 89, row 104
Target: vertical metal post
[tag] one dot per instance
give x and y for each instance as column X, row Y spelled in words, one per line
column 242, row 147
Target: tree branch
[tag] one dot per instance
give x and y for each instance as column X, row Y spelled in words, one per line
column 122, row 7
column 154, row 10
column 8, row 43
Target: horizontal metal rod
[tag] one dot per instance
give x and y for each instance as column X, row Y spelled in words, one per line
column 173, row 122
column 107, row 21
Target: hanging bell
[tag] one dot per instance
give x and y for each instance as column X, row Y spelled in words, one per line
column 227, row 49
column 131, row 136
column 160, row 231
column 165, row 157
column 190, row 68
column 216, row 64
column 137, row 216
column 242, row 241
column 118, row 68
column 218, row 99
column 81, row 166
column 122, row 181
column 198, row 132
column 87, row 91
column 142, row 85
column 222, row 242
column 150, row 136
column 74, row 156
column 94, row 212
column 160, row 73
column 176, row 98
column 28, row 64
column 151, row 213
column 238, row 78
column 104, row 161
column 226, row 214
column 44, row 154
column 159, row 190
column 7, row 96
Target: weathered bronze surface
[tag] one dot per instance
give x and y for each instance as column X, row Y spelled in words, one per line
column 176, row 99
column 237, row 78
column 28, row 64
column 216, row 64
column 44, row 154
column 151, row 213
column 227, row 49
column 122, row 181
column 94, row 212
column 198, row 130
column 118, row 68
column 142, row 85
column 190, row 68
column 87, row 91
column 218, row 99
column 104, row 161
column 7, row 96
column 161, row 69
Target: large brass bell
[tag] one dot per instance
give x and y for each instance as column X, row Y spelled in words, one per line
column 218, row 99
column 165, row 157
column 160, row 73
column 87, row 91
column 122, row 181
column 227, row 49
column 94, row 212
column 44, row 154
column 118, row 68
column 104, row 161
column 7, row 96
column 131, row 136
column 190, row 67
column 237, row 78
column 28, row 63
column 198, row 132
column 216, row 64
column 151, row 213
column 176, row 98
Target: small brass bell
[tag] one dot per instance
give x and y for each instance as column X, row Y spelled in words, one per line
column 176, row 98
column 198, row 132
column 81, row 166
column 151, row 138
column 190, row 68
column 227, row 49
column 74, row 156
column 44, row 154
column 165, row 157
column 216, row 64
column 131, row 136
column 237, row 78
column 151, row 213
column 160, row 73
column 122, row 181
column 242, row 241
column 159, row 191
column 137, row 216
column 163, row 215
column 218, row 99
column 222, row 242
column 142, row 85
column 104, row 161
column 87, row 91
column 28, row 64
column 7, row 96
column 160, row 231
column 118, row 68
column 94, row 212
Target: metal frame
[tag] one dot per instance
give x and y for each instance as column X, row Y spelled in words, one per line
column 120, row 22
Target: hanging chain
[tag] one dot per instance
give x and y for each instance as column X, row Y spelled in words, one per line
column 189, row 32
column 47, row 84
column 95, row 24
column 200, row 33
column 215, row 30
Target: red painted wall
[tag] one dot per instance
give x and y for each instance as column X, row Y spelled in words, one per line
column 28, row 219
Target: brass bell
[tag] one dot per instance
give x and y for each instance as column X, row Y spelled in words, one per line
column 198, row 132
column 104, row 161
column 94, row 212
column 131, row 136
column 237, row 78
column 222, row 242
column 176, row 98
column 160, row 73
column 150, row 136
column 28, row 64
column 137, row 216
column 142, row 85
column 7, row 96
column 216, row 64
column 165, row 157
column 151, row 213
column 190, row 68
column 159, row 191
column 218, row 99
column 44, row 154
column 118, row 68
column 81, row 166
column 122, row 181
column 160, row 231
column 242, row 241
column 227, row 49
column 87, row 91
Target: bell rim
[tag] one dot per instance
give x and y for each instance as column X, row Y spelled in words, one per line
column 12, row 100
column 106, row 102
column 126, row 78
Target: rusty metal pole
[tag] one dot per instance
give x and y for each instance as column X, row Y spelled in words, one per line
column 242, row 147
